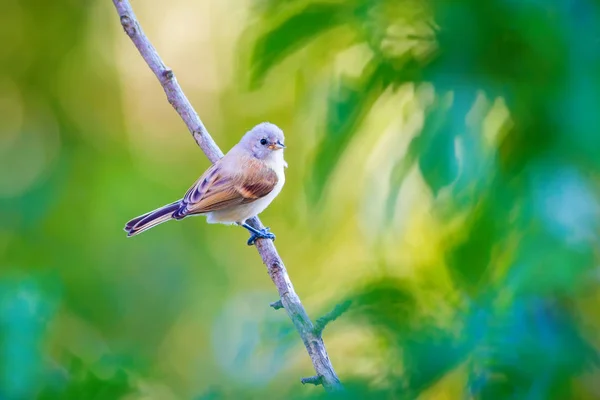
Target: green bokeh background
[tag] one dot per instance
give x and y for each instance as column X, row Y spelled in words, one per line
column 444, row 177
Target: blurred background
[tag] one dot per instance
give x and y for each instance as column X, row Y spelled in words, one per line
column 444, row 177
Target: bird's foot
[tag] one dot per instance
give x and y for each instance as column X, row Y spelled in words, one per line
column 256, row 234
column 260, row 234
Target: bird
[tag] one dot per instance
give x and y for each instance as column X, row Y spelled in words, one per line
column 237, row 187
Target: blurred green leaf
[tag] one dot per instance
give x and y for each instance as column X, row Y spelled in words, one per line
column 429, row 353
column 469, row 259
column 437, row 170
column 294, row 33
column 348, row 106
column 82, row 382
column 399, row 173
column 387, row 304
column 93, row 387
column 438, row 161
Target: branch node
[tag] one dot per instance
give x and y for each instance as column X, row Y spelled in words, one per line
column 277, row 304
column 334, row 314
column 168, row 74
column 312, row 380
column 128, row 26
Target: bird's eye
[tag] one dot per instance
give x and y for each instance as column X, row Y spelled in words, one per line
column 263, row 141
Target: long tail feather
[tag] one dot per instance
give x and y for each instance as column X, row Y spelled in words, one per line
column 151, row 219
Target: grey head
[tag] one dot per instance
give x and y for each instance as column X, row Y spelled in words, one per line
column 263, row 140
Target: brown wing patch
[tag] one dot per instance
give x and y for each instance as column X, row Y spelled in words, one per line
column 216, row 190
column 216, row 200
column 256, row 190
column 247, row 193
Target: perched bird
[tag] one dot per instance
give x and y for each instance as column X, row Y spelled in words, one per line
column 237, row 187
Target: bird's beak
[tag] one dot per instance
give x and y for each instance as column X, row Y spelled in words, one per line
column 277, row 146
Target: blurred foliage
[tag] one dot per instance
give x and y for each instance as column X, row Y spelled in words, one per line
column 444, row 180
column 518, row 204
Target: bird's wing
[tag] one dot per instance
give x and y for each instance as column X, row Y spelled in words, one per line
column 218, row 188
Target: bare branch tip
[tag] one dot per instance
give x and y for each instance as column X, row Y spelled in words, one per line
column 337, row 311
column 276, row 304
column 312, row 380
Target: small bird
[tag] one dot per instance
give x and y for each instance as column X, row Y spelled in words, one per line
column 237, row 187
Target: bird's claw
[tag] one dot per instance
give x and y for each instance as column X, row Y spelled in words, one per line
column 264, row 234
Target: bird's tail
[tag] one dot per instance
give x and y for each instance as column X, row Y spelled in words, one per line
column 151, row 219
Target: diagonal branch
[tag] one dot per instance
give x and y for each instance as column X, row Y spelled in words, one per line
column 275, row 267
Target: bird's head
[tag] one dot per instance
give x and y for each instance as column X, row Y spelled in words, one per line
column 264, row 140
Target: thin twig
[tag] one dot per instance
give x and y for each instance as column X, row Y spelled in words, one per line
column 331, row 316
column 276, row 304
column 275, row 267
column 313, row 380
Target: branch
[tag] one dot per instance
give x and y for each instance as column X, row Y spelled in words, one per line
column 275, row 267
